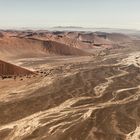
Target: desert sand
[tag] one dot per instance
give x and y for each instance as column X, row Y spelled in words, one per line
column 80, row 86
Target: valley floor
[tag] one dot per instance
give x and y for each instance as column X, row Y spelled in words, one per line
column 73, row 98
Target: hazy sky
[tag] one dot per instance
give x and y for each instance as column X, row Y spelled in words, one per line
column 86, row 13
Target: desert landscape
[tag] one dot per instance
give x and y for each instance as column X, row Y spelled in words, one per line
column 69, row 85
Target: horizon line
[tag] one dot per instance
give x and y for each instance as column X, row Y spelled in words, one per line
column 62, row 27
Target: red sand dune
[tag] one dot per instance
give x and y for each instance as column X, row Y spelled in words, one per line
column 62, row 38
column 10, row 69
column 27, row 47
column 62, row 49
column 93, row 38
column 24, row 44
column 118, row 38
column 79, row 40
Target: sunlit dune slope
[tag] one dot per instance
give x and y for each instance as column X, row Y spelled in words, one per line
column 7, row 69
column 25, row 48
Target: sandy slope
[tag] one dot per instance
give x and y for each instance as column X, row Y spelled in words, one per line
column 27, row 48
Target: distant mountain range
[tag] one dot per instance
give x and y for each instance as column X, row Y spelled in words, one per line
column 109, row 30
column 77, row 28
